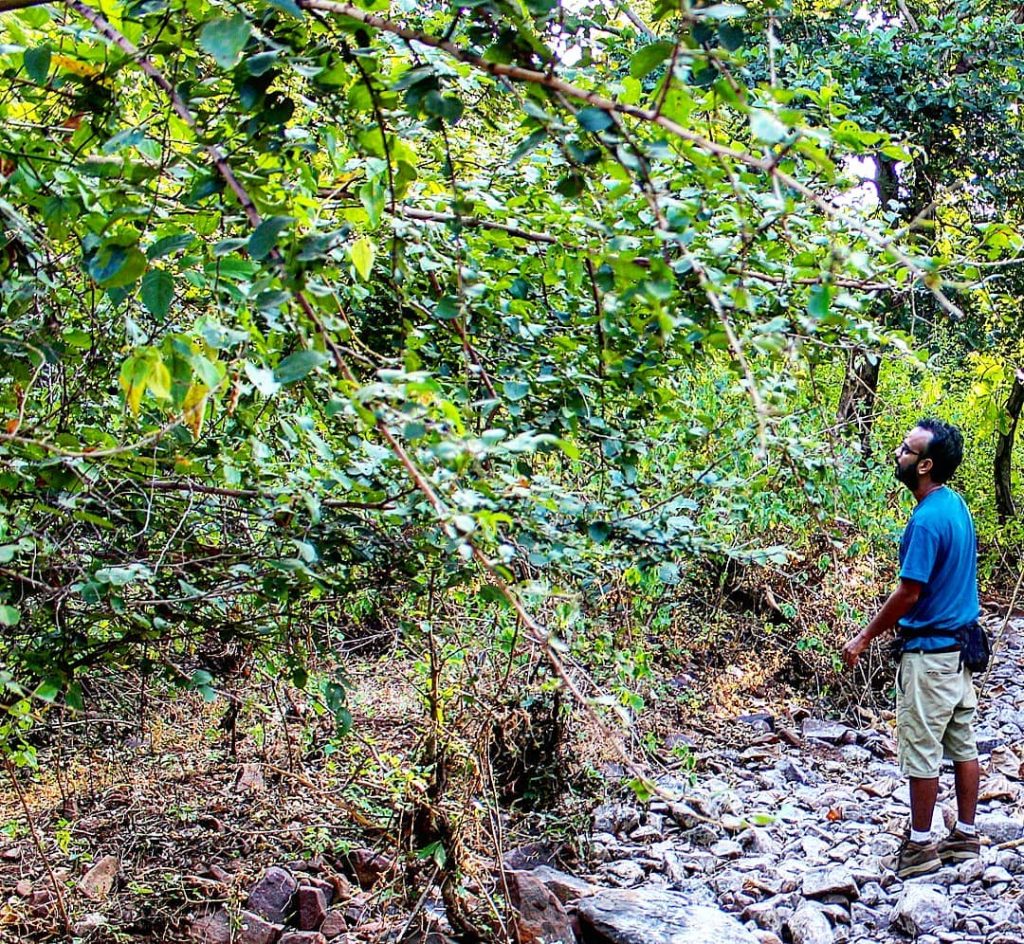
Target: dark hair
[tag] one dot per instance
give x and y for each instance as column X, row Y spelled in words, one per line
column 946, row 449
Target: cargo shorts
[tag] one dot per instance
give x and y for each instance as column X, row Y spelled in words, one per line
column 935, row 705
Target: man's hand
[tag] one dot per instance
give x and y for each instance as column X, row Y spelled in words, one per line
column 853, row 650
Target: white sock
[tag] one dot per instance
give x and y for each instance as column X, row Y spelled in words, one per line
column 967, row 829
column 920, row 835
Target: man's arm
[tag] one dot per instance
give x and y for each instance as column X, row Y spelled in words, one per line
column 901, row 601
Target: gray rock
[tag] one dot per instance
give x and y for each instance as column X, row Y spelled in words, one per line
column 995, row 874
column 654, row 916
column 831, row 731
column 999, row 827
column 624, row 873
column 809, row 926
column 838, row 880
column 727, row 849
column 98, row 882
column 214, row 928
column 922, row 909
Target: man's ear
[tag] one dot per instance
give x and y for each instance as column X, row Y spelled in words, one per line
column 925, row 465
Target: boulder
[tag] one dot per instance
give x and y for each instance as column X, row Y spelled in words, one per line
column 998, row 827
column 334, row 925
column 922, row 909
column 271, row 896
column 540, row 917
column 651, row 915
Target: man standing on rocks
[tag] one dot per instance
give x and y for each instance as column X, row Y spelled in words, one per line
column 937, row 596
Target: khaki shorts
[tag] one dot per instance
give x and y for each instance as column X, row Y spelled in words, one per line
column 935, row 704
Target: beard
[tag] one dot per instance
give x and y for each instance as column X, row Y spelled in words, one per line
column 908, row 476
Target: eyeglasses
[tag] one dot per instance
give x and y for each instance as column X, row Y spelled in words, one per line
column 904, row 450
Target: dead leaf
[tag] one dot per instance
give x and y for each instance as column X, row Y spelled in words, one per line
column 997, row 787
column 834, row 815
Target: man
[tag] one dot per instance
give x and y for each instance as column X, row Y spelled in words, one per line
column 936, row 596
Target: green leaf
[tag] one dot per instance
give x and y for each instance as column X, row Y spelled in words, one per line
column 362, row 253
column 646, row 60
column 37, row 64
column 47, row 690
column 116, row 266
column 766, row 127
column 731, row 37
column 594, row 119
column 289, row 6
column 9, row 615
column 515, row 390
column 225, row 38
column 296, row 366
column 157, row 292
column 819, row 301
column 720, row 11
column 599, row 531
column 168, row 245
column 264, row 237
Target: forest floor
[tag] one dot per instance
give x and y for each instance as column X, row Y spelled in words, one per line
column 774, row 816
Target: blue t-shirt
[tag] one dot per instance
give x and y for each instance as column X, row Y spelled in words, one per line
column 939, row 550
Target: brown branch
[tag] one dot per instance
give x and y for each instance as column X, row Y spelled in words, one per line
column 475, row 222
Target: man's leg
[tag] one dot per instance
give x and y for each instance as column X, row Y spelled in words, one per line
column 967, row 777
column 923, row 793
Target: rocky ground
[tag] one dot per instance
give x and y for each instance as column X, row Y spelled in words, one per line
column 775, row 838
column 783, row 842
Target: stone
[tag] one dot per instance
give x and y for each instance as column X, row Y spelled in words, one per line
column 334, row 924
column 532, row 854
column 998, row 827
column 250, row 779
column 563, row 886
column 368, row 866
column 831, row 731
column 624, row 873
column 838, row 880
column 310, row 907
column 98, row 882
column 540, row 917
column 89, row 924
column 24, row 888
column 922, row 909
column 271, row 896
column 650, row 915
column 253, row 929
column 727, row 849
column 213, row 928
column 302, row 937
column 995, row 874
column 326, row 886
column 809, row 926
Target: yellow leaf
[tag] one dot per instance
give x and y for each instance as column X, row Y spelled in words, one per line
column 194, row 408
column 159, row 380
column 73, row 65
column 133, row 379
column 362, row 257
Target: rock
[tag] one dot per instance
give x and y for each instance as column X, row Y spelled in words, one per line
column 368, row 866
column 995, row 874
column 540, row 917
column 645, row 834
column 727, row 849
column 213, row 928
column 809, row 926
column 970, row 871
column 999, row 827
column 831, row 731
column 326, row 886
column 24, row 888
column 793, row 772
column 531, row 855
column 654, row 916
column 271, row 896
column 922, row 909
column 760, row 721
column 255, row 930
column 98, row 882
column 563, row 886
column 250, row 779
column 311, row 907
column 830, row 881
column 12, row 854
column 302, row 937
column 89, row 923
column 624, row 873
column 334, row 924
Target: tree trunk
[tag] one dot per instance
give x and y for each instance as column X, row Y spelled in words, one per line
column 1003, row 466
column 857, row 400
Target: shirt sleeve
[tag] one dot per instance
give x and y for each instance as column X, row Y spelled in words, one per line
column 921, row 553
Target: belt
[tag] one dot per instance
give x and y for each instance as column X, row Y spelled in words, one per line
column 932, row 652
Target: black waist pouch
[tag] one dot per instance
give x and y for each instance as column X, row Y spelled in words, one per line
column 975, row 647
